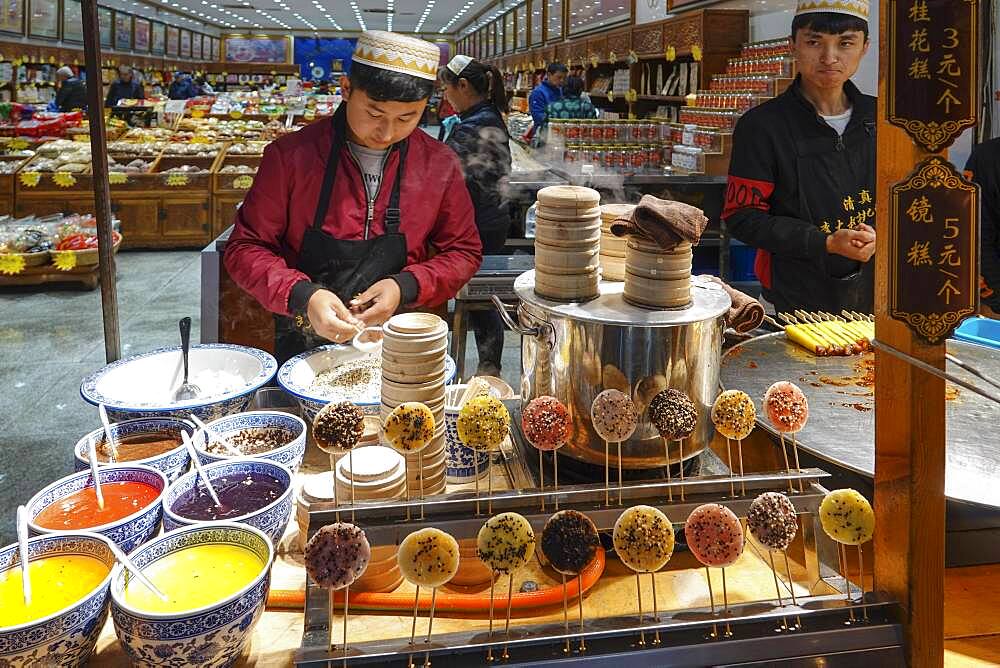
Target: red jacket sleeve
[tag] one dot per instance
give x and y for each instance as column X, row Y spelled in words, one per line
column 456, row 240
column 253, row 255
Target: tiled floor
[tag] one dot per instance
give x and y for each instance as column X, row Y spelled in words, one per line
column 50, row 339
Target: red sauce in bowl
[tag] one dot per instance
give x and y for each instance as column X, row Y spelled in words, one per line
column 80, row 510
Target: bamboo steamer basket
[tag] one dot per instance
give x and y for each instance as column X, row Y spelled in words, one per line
column 569, row 197
column 653, row 293
column 612, row 268
column 568, row 288
column 568, row 213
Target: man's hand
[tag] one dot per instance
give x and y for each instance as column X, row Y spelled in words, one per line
column 858, row 245
column 378, row 303
column 330, row 318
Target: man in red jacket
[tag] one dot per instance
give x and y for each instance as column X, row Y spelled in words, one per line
column 338, row 229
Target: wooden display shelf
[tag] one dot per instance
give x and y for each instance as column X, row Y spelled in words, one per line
column 87, row 276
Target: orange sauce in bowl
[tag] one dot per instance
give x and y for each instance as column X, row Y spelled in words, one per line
column 80, row 510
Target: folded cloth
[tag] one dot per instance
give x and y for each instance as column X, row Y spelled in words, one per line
column 665, row 221
column 746, row 313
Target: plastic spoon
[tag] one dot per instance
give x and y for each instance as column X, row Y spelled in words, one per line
column 131, row 567
column 92, row 455
column 211, row 434
column 22, row 548
column 201, row 472
column 108, row 438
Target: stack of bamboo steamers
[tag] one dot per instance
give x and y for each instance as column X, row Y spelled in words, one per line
column 413, row 369
column 655, row 277
column 567, row 243
column 612, row 247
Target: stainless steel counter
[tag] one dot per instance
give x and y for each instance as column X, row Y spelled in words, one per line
column 841, row 427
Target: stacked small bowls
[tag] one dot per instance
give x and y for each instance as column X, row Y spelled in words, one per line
column 414, row 369
column 567, row 243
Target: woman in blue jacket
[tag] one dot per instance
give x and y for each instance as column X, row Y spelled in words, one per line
column 480, row 139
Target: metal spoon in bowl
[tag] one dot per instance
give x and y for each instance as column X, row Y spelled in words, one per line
column 186, row 391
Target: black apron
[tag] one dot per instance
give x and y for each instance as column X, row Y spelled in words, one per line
column 346, row 267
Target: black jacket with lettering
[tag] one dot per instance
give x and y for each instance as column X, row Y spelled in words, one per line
column 984, row 164
column 792, row 182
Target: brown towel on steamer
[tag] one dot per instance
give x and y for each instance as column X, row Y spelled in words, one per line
column 665, row 221
column 746, row 313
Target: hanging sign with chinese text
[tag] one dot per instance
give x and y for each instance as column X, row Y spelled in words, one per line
column 934, row 277
column 934, row 64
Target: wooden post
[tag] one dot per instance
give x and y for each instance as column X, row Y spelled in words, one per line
column 102, row 190
column 909, row 425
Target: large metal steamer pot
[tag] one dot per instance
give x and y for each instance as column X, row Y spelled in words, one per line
column 574, row 351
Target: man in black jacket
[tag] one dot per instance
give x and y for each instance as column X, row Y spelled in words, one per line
column 984, row 164
column 72, row 93
column 125, row 88
column 802, row 177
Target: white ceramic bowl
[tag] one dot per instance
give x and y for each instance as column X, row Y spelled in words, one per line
column 66, row 637
column 207, row 637
column 127, row 533
column 296, row 377
column 290, row 454
column 143, row 385
column 272, row 519
column 172, row 462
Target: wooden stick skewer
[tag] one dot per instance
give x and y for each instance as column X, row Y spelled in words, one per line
column 777, row 590
column 350, row 462
column 420, row 466
column 739, row 453
column 666, row 456
column 656, row 610
column 791, row 588
column 842, row 554
column 579, row 600
column 555, row 475
column 430, row 625
column 619, row 473
column 711, row 600
column 729, row 457
column 861, row 582
column 566, row 649
column 541, row 477
column 638, row 592
column 798, row 469
column 489, row 479
column 680, row 444
column 347, row 598
column 784, row 453
column 607, row 468
column 510, row 600
column 725, row 603
column 493, row 582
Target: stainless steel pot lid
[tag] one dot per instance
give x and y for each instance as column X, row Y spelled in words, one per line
column 709, row 301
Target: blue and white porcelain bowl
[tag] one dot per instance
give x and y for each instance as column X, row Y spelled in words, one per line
column 272, row 519
column 290, row 454
column 172, row 462
column 143, row 385
column 66, row 637
column 127, row 533
column 296, row 377
column 209, row 636
column 462, row 463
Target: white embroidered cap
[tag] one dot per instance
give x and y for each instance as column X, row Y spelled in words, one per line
column 399, row 53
